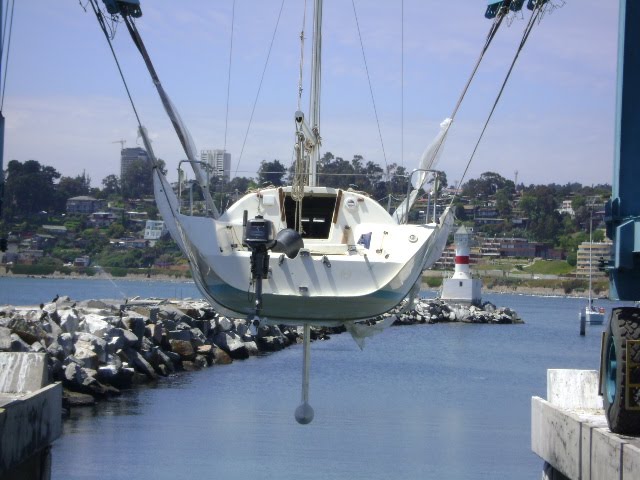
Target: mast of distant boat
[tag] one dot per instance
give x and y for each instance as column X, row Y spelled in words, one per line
column 590, row 253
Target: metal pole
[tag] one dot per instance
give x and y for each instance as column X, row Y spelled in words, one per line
column 304, row 412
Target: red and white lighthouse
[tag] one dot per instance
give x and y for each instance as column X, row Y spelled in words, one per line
column 461, row 239
column 462, row 287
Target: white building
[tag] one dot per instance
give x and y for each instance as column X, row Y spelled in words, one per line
column 588, row 258
column 220, row 162
column 154, row 230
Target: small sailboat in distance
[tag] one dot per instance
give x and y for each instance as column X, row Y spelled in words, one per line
column 592, row 315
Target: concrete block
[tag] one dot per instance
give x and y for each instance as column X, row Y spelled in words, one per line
column 606, row 455
column 587, row 447
column 29, row 424
column 631, row 460
column 556, row 437
column 573, row 389
column 22, row 372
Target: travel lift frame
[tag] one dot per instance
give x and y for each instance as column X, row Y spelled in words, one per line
column 620, row 354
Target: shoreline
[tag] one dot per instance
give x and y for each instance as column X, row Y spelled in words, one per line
column 500, row 289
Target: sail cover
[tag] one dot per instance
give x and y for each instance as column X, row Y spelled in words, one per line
column 428, row 161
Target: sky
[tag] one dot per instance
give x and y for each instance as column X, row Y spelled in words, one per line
column 65, row 105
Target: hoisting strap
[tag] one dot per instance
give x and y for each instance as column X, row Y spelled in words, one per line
column 103, row 27
column 527, row 31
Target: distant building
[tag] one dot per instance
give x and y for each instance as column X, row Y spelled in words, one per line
column 102, row 219
column 220, row 162
column 83, row 261
column 55, row 229
column 84, row 205
column 567, row 207
column 128, row 156
column 154, row 230
column 589, row 254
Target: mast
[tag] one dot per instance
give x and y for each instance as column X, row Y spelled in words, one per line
column 314, row 107
column 590, row 253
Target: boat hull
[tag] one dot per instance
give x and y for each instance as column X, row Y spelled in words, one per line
column 337, row 279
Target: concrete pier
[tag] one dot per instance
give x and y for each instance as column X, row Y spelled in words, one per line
column 30, row 416
column 569, row 432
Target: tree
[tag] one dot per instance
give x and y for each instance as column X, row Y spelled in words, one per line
column 487, row 185
column 271, row 173
column 69, row 187
column 110, row 185
column 137, row 180
column 29, row 187
column 539, row 205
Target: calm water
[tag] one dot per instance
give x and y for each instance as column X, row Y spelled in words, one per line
column 421, row 402
column 33, row 291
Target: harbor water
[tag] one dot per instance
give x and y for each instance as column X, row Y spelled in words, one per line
column 444, row 401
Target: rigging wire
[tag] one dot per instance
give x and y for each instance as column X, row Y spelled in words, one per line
column 255, row 102
column 6, row 58
column 302, row 30
column 103, row 27
column 532, row 20
column 226, row 117
column 366, row 67
column 402, row 83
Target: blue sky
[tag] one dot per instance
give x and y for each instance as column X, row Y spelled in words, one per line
column 65, row 105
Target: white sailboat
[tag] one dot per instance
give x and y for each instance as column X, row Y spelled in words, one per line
column 357, row 261
column 303, row 254
column 592, row 315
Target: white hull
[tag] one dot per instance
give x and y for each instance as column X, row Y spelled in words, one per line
column 593, row 317
column 333, row 280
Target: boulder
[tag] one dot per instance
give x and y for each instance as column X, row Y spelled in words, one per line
column 51, row 309
column 65, row 340
column 197, row 337
column 138, row 362
column 37, row 347
column 135, row 324
column 155, row 332
column 77, row 399
column 271, row 343
column 86, row 356
column 69, row 320
column 184, row 335
column 224, row 324
column 95, row 325
column 129, row 339
column 117, row 377
column 160, row 362
column 29, row 330
column 97, row 344
column 252, row 348
column 18, row 344
column 182, row 348
column 220, row 357
column 232, row 344
column 5, row 339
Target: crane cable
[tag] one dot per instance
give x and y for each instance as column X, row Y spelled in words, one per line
column 103, row 27
column 490, row 36
column 6, row 58
column 525, row 36
column 255, row 102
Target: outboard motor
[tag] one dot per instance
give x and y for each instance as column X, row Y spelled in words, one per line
column 259, row 238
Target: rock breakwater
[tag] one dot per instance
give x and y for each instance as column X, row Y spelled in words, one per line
column 97, row 348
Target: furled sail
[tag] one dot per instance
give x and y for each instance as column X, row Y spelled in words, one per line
column 428, row 161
